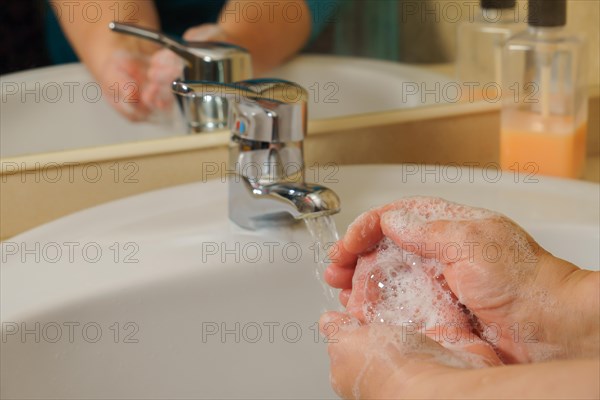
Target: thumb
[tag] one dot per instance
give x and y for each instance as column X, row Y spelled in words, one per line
column 442, row 240
column 492, row 239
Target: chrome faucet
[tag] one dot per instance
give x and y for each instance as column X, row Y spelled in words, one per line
column 203, row 61
column 267, row 119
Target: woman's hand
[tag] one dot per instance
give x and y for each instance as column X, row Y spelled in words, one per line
column 522, row 296
column 388, row 362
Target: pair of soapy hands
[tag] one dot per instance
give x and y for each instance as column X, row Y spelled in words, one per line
column 518, row 293
column 140, row 85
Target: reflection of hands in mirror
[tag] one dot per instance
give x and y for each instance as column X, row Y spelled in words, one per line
column 123, row 79
column 448, row 256
column 139, row 86
column 165, row 67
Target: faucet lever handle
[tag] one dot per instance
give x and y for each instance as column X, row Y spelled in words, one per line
column 211, row 61
column 261, row 110
column 171, row 43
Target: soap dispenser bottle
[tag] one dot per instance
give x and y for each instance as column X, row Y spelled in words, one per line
column 544, row 105
column 480, row 41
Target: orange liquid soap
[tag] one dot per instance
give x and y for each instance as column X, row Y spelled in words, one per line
column 552, row 146
column 544, row 109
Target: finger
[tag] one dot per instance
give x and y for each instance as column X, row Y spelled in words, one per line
column 426, row 239
column 365, row 291
column 205, row 32
column 416, row 219
column 338, row 254
column 455, row 242
column 364, row 233
column 439, row 229
column 339, row 277
column 344, row 296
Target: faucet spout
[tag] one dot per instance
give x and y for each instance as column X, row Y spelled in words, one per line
column 254, row 206
column 308, row 200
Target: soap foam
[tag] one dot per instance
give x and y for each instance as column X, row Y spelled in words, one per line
column 410, row 219
column 403, row 289
column 412, row 213
column 365, row 221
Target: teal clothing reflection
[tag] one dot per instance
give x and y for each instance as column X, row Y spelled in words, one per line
column 368, row 28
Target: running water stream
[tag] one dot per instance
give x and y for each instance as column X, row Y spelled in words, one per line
column 324, row 234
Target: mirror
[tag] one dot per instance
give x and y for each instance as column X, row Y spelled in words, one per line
column 370, row 56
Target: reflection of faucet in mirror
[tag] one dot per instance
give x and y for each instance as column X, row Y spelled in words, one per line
column 267, row 119
column 204, row 61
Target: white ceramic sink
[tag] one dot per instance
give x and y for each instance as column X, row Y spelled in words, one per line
column 184, row 286
column 58, row 108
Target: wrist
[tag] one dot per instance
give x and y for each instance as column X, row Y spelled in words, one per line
column 581, row 301
column 571, row 310
column 432, row 382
